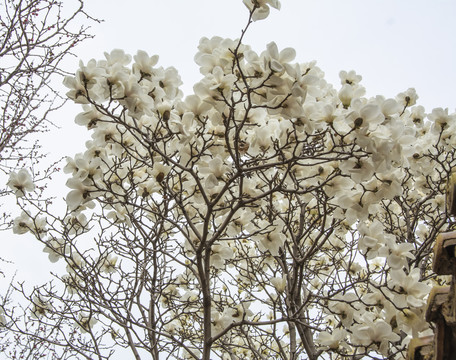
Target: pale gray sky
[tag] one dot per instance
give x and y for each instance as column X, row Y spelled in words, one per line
column 394, row 44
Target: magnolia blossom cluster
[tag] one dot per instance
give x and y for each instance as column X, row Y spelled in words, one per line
column 260, row 8
column 21, row 182
column 266, row 199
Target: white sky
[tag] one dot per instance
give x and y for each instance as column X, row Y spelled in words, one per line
column 393, row 44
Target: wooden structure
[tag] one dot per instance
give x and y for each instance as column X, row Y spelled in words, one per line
column 441, row 305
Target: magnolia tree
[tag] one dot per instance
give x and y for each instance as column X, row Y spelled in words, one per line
column 35, row 36
column 268, row 215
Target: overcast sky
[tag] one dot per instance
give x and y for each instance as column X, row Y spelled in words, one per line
column 393, row 44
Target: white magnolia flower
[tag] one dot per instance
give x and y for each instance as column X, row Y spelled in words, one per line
column 397, row 254
column 2, row 317
column 144, row 64
column 56, row 248
column 108, row 264
column 441, row 119
column 350, row 78
column 77, row 88
column 220, row 321
column 242, row 311
column 79, row 195
column 332, row 340
column 117, row 56
column 190, row 296
column 261, row 8
column 169, row 293
column 21, row 182
column 408, row 289
column 22, row 224
column 86, row 322
column 279, row 283
column 215, row 85
column 372, row 238
column 39, row 227
column 72, row 283
column 272, row 241
column 76, row 223
column 121, row 214
column 172, row 327
column 345, row 307
column 41, row 307
column 188, row 356
column 349, row 92
column 412, row 321
column 276, row 59
column 220, row 253
column 378, row 332
column 75, row 263
column 407, row 98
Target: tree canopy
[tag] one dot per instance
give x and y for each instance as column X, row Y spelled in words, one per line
column 269, row 214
